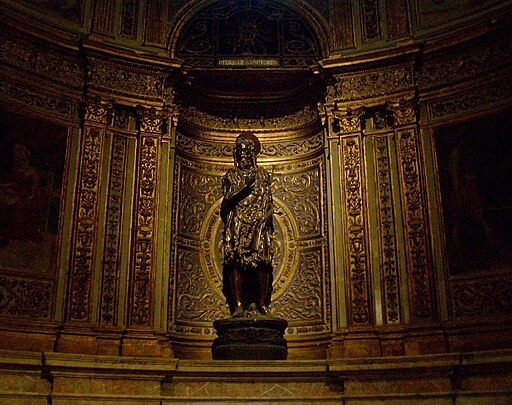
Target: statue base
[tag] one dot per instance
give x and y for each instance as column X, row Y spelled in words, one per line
column 259, row 338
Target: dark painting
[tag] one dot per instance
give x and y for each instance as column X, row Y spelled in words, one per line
column 475, row 173
column 32, row 157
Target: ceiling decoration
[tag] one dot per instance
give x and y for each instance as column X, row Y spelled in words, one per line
column 248, row 33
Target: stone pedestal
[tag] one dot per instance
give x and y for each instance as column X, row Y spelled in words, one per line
column 250, row 339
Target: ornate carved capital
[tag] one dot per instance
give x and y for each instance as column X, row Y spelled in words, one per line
column 348, row 121
column 404, row 111
column 151, row 120
column 97, row 111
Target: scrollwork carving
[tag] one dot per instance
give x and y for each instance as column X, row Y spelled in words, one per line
column 295, row 148
column 466, row 61
column 25, row 298
column 404, row 111
column 151, row 120
column 198, row 193
column 196, row 301
column 300, row 192
column 125, row 78
column 96, row 111
column 492, row 95
column 57, row 66
column 303, row 299
column 483, row 297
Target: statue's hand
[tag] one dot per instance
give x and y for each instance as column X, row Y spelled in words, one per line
column 250, row 178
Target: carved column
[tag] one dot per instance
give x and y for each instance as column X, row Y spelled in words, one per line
column 421, row 283
column 143, row 299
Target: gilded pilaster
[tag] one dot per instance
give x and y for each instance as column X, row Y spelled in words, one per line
column 420, row 276
column 115, row 212
column 384, row 218
column 359, row 307
column 146, row 203
column 82, row 263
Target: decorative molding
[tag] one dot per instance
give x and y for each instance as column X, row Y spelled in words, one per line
column 483, row 297
column 109, row 291
column 26, row 298
column 403, row 111
column 198, row 191
column 387, row 238
column 96, row 111
column 87, row 215
column 371, row 20
column 355, row 234
column 151, row 120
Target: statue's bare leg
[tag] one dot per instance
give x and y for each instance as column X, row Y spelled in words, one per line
column 235, row 280
column 263, row 292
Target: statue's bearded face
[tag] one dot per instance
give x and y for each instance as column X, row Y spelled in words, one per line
column 245, row 155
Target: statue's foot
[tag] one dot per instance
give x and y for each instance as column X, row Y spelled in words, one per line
column 262, row 309
column 239, row 312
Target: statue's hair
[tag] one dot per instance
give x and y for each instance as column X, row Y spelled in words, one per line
column 251, row 137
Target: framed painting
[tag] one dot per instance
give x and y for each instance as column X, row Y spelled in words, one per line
column 32, row 160
column 474, row 161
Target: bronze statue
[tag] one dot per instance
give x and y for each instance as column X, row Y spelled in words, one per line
column 246, row 212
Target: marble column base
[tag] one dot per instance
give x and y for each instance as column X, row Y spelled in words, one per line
column 259, row 338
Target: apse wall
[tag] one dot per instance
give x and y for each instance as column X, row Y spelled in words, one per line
column 120, row 264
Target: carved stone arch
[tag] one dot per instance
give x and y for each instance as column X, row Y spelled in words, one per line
column 311, row 19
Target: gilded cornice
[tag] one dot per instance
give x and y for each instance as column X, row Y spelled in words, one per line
column 464, row 100
column 466, row 61
column 203, row 125
column 46, row 64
